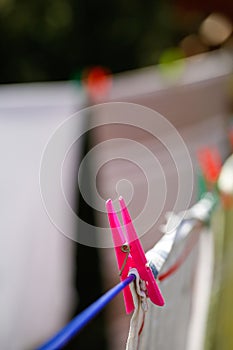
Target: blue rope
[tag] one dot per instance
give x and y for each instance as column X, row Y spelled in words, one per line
column 81, row 320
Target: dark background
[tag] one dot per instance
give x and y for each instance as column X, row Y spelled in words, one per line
column 56, row 39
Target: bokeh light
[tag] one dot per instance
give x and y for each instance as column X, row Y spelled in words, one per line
column 215, row 29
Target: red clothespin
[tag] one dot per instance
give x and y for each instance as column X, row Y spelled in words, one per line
column 130, row 254
column 210, row 163
column 98, row 82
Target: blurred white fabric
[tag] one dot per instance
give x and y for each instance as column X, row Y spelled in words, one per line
column 36, row 260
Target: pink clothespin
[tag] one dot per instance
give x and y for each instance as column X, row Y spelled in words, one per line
column 130, row 254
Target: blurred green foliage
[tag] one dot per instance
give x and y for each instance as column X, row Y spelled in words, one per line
column 219, row 335
column 55, row 39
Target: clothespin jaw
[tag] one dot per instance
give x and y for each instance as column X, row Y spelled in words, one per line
column 130, row 254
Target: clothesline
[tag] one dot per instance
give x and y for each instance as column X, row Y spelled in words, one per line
column 81, row 320
column 189, row 228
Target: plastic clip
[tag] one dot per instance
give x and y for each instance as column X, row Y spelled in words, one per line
column 130, row 254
